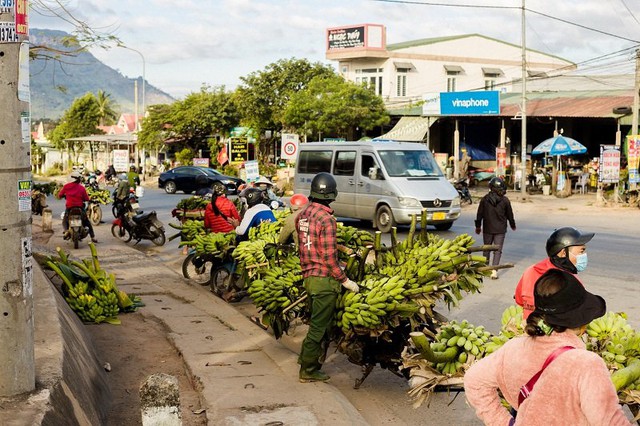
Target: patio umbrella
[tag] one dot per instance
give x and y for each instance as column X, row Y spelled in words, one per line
column 559, row 145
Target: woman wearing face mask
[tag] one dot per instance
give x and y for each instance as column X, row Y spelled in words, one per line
column 567, row 250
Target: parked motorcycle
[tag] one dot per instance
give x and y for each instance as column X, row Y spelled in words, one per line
column 38, row 201
column 77, row 231
column 462, row 186
column 142, row 226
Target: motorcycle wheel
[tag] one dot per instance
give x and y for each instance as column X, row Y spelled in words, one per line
column 121, row 233
column 95, row 215
column 114, row 211
column 160, row 239
column 197, row 268
column 220, row 281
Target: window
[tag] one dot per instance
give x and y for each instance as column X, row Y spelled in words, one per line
column 451, row 84
column 373, row 80
column 345, row 164
column 489, row 84
column 315, row 162
column 367, row 163
column 401, row 87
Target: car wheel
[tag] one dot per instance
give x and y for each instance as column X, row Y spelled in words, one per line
column 384, row 219
column 444, row 226
column 170, row 187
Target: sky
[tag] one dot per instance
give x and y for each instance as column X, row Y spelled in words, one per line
column 188, row 43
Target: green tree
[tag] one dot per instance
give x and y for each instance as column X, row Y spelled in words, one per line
column 81, row 119
column 192, row 122
column 106, row 111
column 333, row 106
column 263, row 95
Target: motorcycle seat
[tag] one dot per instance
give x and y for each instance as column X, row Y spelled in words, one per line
column 143, row 216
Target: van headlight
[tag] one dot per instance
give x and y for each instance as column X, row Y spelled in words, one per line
column 411, row 202
column 455, row 202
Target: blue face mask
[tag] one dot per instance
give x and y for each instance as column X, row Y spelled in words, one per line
column 581, row 262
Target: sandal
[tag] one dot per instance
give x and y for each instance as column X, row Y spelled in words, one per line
column 257, row 321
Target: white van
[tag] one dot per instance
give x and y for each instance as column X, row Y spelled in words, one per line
column 383, row 181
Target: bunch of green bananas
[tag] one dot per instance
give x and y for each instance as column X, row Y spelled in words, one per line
column 102, row 196
column 512, row 321
column 614, row 339
column 266, row 231
column 90, row 291
column 193, row 203
column 189, row 229
column 276, row 288
column 353, row 238
column 214, row 243
column 250, row 253
column 459, row 344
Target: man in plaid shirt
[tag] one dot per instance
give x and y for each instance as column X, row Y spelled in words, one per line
column 322, row 274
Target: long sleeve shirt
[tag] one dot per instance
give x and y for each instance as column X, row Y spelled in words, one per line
column 494, row 211
column 575, row 389
column 318, row 249
column 254, row 216
column 75, row 194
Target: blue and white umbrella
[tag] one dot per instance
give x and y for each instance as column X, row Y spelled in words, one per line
column 560, row 145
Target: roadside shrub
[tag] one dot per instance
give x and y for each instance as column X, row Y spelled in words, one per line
column 185, row 157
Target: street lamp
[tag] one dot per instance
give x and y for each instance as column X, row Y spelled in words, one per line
column 143, row 77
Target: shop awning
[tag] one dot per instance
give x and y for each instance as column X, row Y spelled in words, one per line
column 454, row 69
column 403, row 65
column 409, row 129
column 492, row 71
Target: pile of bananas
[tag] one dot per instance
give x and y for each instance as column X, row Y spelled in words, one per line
column 215, row 243
column 89, row 290
column 267, row 231
column 353, row 238
column 458, row 345
column 277, row 288
column 193, row 203
column 251, row 253
column 615, row 341
column 102, row 196
column 189, row 229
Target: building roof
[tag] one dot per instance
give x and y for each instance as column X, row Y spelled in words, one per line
column 434, row 40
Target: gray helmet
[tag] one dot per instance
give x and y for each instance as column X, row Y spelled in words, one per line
column 253, row 196
column 219, row 188
column 566, row 237
column 324, row 187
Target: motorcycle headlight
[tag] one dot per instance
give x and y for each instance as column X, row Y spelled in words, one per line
column 409, row 202
column 455, row 202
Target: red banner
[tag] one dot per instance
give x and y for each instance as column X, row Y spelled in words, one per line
column 22, row 19
column 223, row 158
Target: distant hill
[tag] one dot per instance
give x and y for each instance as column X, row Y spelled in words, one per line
column 55, row 84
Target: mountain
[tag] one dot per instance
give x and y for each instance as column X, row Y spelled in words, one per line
column 56, row 83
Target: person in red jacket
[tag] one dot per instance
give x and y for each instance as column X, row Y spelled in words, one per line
column 75, row 195
column 567, row 250
column 221, row 214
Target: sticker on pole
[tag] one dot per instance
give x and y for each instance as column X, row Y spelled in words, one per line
column 289, row 149
column 8, row 32
column 27, row 267
column 24, row 195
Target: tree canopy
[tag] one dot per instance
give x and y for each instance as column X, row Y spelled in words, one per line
column 332, row 106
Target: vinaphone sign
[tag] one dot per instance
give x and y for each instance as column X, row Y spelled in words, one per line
column 462, row 103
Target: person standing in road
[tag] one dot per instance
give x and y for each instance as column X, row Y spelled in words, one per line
column 75, row 196
column 221, row 214
column 567, row 250
column 317, row 228
column 573, row 385
column 494, row 211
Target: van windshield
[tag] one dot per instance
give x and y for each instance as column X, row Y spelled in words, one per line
column 410, row 163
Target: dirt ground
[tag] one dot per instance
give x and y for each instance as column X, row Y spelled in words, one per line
column 136, row 349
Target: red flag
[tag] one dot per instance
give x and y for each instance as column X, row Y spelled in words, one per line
column 223, row 158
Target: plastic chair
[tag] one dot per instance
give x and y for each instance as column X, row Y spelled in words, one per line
column 581, row 183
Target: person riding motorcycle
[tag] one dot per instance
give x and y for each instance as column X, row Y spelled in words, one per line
column 266, row 186
column 221, row 214
column 257, row 213
column 288, row 231
column 121, row 193
column 76, row 196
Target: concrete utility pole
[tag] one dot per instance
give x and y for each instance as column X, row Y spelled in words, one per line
column 523, row 147
column 636, row 97
column 17, row 369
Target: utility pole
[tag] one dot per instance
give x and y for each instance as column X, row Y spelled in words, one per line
column 17, row 368
column 523, row 146
column 636, row 96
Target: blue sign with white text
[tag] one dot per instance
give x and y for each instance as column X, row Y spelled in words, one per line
column 470, row 103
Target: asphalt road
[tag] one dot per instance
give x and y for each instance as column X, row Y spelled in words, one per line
column 612, row 272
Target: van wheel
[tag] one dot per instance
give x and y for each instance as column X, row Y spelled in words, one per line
column 384, row 219
column 444, row 226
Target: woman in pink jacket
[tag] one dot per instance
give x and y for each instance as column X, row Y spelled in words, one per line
column 575, row 388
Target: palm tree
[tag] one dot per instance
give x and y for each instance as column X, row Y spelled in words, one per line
column 106, row 105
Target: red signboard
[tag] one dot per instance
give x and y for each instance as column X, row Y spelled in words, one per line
column 22, row 19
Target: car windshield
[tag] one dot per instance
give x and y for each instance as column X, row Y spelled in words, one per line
column 213, row 172
column 409, row 163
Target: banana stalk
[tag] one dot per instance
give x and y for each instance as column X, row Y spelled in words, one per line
column 423, row 227
column 625, row 376
column 422, row 344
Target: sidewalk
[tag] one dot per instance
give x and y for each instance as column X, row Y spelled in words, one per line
column 245, row 375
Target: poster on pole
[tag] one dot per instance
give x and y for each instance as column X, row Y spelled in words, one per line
column 121, row 160
column 289, row 147
column 252, row 170
column 609, row 164
column 633, row 157
column 501, row 161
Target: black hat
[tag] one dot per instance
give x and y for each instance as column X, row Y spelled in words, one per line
column 572, row 306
